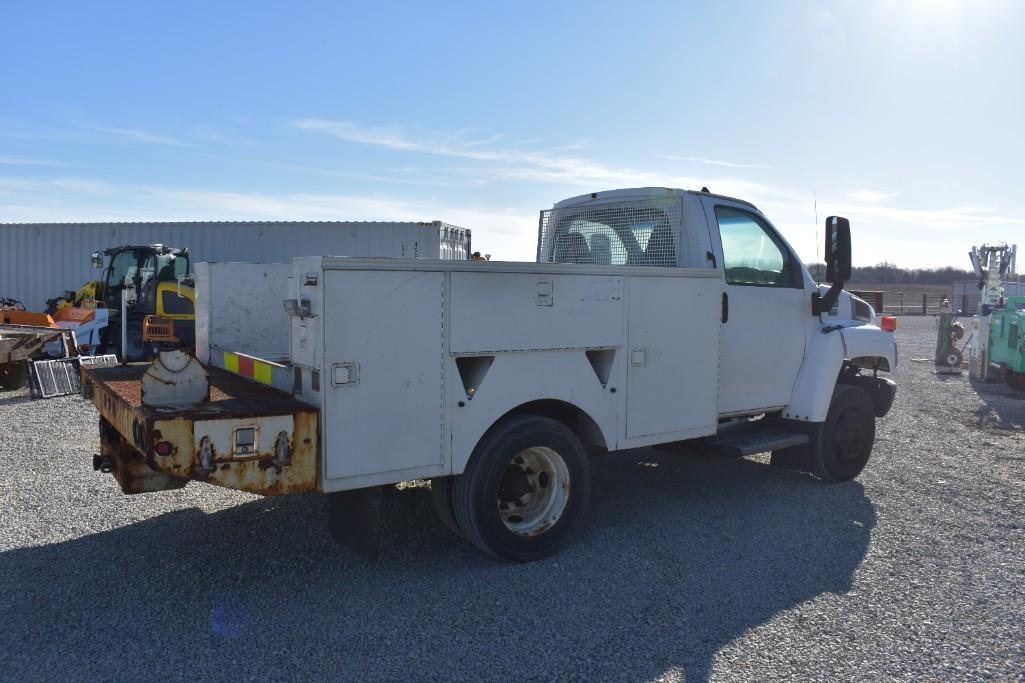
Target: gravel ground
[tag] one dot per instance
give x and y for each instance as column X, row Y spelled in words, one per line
column 690, row 568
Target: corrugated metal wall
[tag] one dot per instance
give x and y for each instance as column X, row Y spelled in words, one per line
column 966, row 294
column 39, row 261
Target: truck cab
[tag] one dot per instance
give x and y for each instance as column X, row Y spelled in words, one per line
column 771, row 321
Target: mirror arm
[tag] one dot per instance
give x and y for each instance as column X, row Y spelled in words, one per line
column 823, row 304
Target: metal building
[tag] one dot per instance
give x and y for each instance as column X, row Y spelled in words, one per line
column 39, row 261
column 966, row 295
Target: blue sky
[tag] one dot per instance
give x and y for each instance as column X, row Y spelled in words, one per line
column 907, row 117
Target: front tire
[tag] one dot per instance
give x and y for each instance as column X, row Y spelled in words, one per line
column 136, row 345
column 839, row 448
column 845, row 441
column 524, row 490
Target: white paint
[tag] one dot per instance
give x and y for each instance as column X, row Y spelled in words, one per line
column 221, row 434
column 390, row 324
column 240, row 307
column 175, row 378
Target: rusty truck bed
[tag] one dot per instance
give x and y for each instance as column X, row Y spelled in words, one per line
column 152, row 449
column 230, row 395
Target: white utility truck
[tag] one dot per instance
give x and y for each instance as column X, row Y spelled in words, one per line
column 651, row 316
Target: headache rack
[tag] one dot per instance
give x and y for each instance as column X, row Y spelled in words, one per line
column 636, row 233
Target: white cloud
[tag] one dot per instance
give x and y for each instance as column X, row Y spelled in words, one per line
column 137, row 135
column 507, row 232
column 509, row 162
column 22, row 161
column 717, row 162
column 866, row 195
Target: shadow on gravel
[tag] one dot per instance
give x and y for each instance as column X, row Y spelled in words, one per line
column 14, row 399
column 680, row 556
column 1004, row 407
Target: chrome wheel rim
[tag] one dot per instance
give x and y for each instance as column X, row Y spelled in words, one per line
column 534, row 491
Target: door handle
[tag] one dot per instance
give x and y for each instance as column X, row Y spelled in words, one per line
column 725, row 316
column 711, row 257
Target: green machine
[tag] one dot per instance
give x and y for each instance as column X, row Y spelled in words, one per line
column 998, row 346
column 1006, row 343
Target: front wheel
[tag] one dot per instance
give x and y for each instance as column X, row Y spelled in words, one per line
column 845, row 441
column 136, row 347
column 837, row 449
column 524, row 490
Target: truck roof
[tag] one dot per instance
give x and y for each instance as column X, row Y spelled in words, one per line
column 640, row 193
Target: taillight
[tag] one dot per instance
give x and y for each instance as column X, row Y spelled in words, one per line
column 888, row 323
column 164, row 448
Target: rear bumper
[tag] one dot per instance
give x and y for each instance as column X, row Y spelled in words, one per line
column 246, row 437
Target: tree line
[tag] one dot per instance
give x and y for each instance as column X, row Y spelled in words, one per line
column 889, row 273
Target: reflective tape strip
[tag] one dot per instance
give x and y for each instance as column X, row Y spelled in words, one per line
column 249, row 367
column 262, row 373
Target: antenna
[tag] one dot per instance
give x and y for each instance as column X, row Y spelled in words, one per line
column 815, row 200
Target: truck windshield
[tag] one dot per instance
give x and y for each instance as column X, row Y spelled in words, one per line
column 611, row 235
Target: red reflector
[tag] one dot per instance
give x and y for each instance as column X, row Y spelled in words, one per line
column 164, row 448
column 888, row 323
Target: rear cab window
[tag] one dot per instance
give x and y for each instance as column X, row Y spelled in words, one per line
column 624, row 234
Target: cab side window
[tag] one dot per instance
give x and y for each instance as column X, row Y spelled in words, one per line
column 752, row 253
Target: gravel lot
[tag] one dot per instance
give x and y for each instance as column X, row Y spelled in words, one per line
column 690, row 568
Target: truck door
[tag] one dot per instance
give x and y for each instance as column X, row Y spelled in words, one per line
column 767, row 309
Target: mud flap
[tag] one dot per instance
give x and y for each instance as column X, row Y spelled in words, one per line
column 354, row 519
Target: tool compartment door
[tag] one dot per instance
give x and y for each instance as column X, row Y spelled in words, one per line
column 382, row 371
column 673, row 356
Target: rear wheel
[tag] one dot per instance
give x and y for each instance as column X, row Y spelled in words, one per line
column 441, row 495
column 13, row 375
column 1015, row 380
column 953, row 359
column 525, row 489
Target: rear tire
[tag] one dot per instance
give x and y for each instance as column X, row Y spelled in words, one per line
column 441, row 496
column 525, row 489
column 13, row 375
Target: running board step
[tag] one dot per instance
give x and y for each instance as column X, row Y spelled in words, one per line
column 761, row 441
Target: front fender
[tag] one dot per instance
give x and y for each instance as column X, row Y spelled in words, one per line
column 824, row 357
column 868, row 341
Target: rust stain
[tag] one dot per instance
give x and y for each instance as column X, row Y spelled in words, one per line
column 139, row 469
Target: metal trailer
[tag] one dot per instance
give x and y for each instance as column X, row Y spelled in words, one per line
column 41, row 260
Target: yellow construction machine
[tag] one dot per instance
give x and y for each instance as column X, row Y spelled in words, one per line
column 160, row 299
